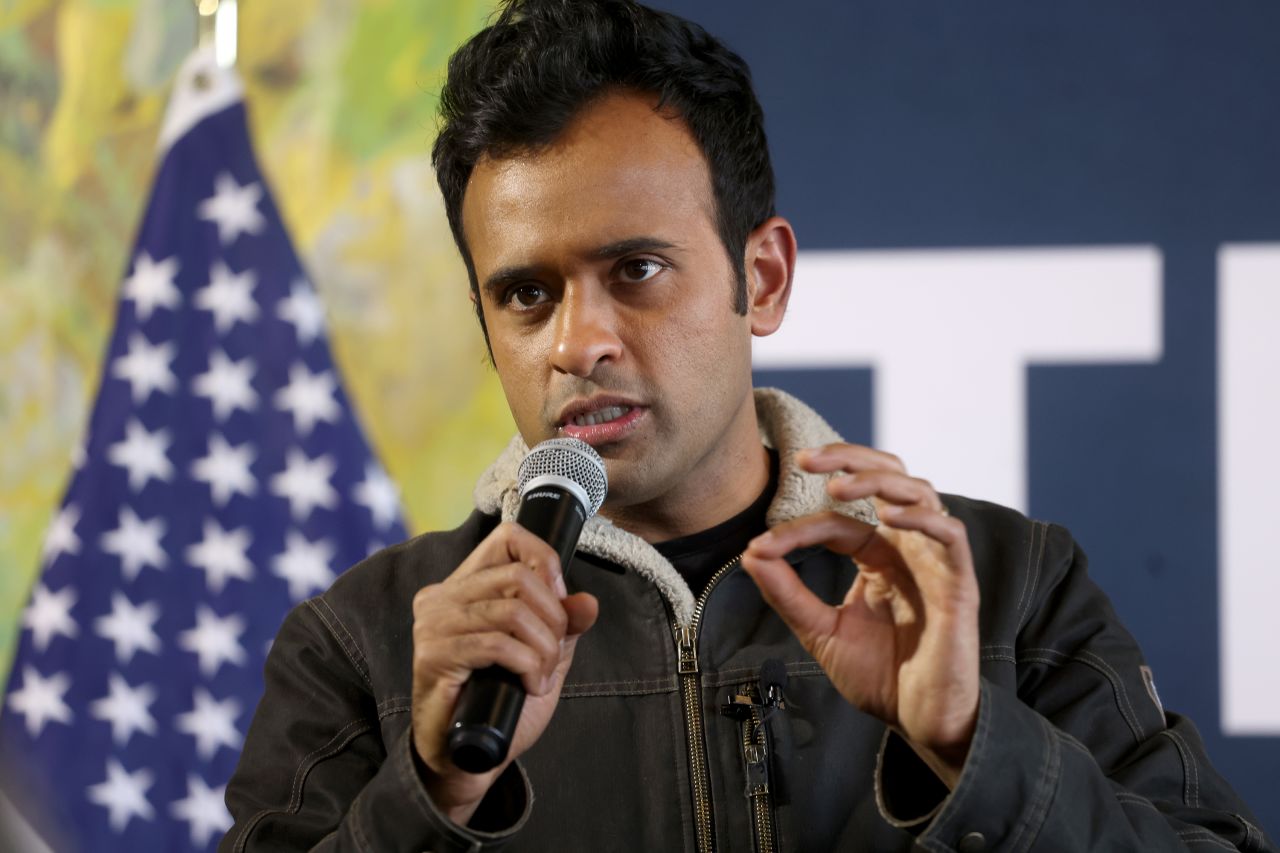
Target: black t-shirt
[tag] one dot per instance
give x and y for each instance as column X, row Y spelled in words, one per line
column 698, row 556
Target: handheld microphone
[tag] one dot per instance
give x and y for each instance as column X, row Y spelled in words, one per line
column 562, row 483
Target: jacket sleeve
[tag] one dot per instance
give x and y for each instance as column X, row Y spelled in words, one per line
column 1078, row 754
column 316, row 774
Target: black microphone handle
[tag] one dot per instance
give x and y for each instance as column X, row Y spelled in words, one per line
column 489, row 705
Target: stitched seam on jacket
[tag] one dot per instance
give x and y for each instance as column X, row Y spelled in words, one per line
column 591, row 694
column 394, row 705
column 1252, row 835
column 997, row 651
column 1057, row 658
column 1118, row 684
column 1135, row 800
column 335, row 745
column 739, row 674
column 1026, row 595
column 1035, row 581
column 628, row 683
column 1203, row 835
column 340, row 633
column 1191, row 777
column 1195, row 768
column 357, row 829
column 1049, row 773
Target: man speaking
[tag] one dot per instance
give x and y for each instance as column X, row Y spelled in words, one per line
column 768, row 639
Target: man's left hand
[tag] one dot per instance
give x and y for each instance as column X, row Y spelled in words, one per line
column 903, row 645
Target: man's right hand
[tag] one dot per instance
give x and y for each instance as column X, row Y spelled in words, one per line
column 506, row 604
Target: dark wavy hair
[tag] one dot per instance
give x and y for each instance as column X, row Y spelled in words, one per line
column 517, row 83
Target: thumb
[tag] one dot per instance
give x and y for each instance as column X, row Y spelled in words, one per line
column 582, row 608
column 808, row 616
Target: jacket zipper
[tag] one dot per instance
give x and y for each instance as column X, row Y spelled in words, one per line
column 755, row 752
column 695, row 735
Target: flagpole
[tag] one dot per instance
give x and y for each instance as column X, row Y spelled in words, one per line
column 218, row 26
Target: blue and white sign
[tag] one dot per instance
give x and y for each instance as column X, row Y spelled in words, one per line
column 1040, row 260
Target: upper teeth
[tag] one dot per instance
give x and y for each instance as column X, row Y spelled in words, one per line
column 599, row 416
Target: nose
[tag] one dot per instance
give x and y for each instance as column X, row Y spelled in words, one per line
column 586, row 333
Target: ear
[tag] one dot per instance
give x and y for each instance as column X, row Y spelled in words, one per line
column 770, row 265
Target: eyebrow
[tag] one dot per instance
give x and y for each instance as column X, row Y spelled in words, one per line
column 506, row 276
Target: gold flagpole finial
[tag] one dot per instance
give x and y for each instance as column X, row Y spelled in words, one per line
column 218, row 27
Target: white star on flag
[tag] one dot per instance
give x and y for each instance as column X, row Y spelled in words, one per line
column 40, row 699
column 204, row 808
column 219, row 425
column 302, row 309
column 226, row 470
column 309, row 396
column 305, row 483
column 49, row 613
column 229, row 296
column 221, row 554
column 126, row 708
column 214, row 640
column 123, row 794
column 377, row 493
column 226, row 384
column 304, row 564
column 233, row 207
column 136, row 543
column 151, row 285
column 145, row 368
column 61, row 536
column 211, row 723
column 143, row 453
column 129, row 628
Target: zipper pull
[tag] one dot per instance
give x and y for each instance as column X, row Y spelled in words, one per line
column 756, row 758
column 687, row 650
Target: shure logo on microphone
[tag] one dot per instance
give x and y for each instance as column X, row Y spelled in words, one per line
column 541, row 494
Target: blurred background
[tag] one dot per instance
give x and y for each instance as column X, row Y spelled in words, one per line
column 898, row 131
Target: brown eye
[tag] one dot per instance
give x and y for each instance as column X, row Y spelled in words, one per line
column 526, row 296
column 640, row 269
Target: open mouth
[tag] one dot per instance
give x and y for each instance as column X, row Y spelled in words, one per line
column 604, row 425
column 600, row 416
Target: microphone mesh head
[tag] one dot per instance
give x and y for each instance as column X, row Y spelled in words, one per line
column 571, row 458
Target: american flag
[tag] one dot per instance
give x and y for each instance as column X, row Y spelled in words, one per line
column 223, row 479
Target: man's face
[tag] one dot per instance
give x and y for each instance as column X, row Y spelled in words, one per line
column 608, row 298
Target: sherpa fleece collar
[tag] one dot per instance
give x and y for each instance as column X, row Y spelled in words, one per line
column 786, row 424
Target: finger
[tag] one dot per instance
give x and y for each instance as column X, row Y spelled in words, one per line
column 581, row 608
column 806, row 615
column 887, row 485
column 511, row 543
column 838, row 532
column 510, row 616
column 437, row 603
column 941, row 533
column 459, row 656
column 934, row 523
column 847, row 457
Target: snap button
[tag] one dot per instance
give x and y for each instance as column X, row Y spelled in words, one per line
column 973, row 842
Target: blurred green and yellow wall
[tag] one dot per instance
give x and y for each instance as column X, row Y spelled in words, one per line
column 342, row 97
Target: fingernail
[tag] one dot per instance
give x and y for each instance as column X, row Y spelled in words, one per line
column 889, row 511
